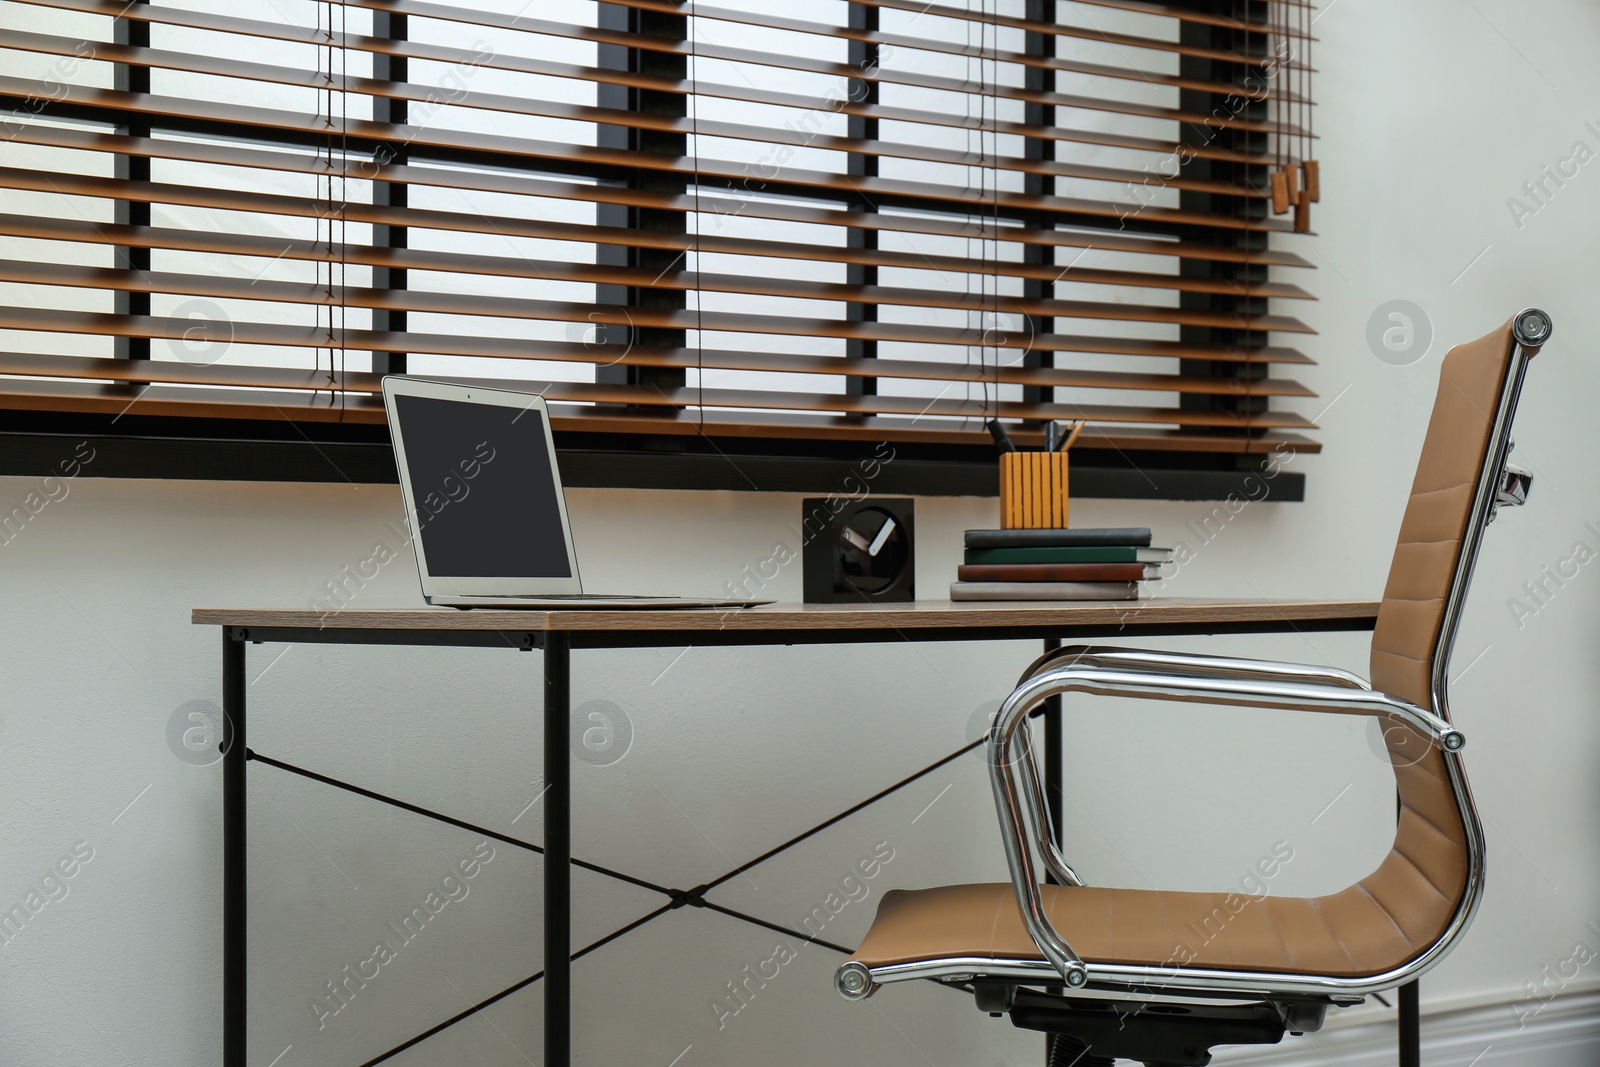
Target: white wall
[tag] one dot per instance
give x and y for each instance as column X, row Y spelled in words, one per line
column 1434, row 114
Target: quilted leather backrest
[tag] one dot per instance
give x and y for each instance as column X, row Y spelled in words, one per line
column 1424, row 878
column 1436, row 517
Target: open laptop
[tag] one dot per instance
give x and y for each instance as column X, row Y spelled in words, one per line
column 483, row 497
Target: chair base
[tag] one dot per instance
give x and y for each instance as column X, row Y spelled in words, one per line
column 1093, row 1031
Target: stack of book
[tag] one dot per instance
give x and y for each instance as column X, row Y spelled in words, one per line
column 1057, row 565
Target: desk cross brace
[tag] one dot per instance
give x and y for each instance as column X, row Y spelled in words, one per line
column 677, row 898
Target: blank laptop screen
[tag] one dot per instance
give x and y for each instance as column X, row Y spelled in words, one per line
column 485, row 489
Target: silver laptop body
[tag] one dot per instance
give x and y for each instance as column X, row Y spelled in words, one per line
column 483, row 497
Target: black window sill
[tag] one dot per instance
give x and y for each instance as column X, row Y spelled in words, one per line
column 37, row 445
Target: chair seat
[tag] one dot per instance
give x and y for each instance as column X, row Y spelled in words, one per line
column 1347, row 934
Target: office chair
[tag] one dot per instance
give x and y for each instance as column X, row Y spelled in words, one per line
column 1160, row 977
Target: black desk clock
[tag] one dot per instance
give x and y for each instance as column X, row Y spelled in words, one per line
column 858, row 550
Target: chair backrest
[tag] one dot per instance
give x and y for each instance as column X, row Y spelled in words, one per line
column 1437, row 854
column 1438, row 516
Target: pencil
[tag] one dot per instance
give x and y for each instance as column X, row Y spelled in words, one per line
column 1073, row 436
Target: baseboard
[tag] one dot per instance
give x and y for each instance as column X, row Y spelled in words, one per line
column 1564, row 1032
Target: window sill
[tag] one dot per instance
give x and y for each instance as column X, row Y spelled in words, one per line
column 188, row 449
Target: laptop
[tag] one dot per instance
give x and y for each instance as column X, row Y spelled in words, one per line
column 483, row 498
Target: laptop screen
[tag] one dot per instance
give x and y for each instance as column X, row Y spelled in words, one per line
column 484, row 483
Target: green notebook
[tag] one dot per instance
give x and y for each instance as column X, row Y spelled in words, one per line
column 1070, row 554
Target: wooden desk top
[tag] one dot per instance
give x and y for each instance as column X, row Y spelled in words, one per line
column 1165, row 613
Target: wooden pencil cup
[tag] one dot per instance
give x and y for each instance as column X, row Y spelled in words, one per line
column 1033, row 490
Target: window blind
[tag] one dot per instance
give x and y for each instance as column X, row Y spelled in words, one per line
column 868, row 220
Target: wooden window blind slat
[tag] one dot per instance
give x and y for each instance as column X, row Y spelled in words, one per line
column 309, row 407
column 289, row 379
column 508, row 266
column 444, row 303
column 368, row 408
column 99, row 324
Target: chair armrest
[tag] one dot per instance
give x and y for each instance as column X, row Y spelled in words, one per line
column 1160, row 676
column 1217, row 680
column 1192, row 663
column 1173, row 662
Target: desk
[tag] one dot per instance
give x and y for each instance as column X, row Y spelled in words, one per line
column 557, row 633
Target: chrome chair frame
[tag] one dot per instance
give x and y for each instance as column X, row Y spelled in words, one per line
column 1024, row 815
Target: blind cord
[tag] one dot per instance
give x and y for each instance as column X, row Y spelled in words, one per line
column 324, row 196
column 332, row 222
column 344, row 206
column 976, row 220
column 699, row 295
column 992, row 101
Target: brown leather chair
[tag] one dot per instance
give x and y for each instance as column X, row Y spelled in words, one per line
column 1160, row 977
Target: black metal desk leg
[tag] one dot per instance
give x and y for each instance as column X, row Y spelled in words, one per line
column 1410, row 1027
column 233, row 853
column 1054, row 798
column 557, row 851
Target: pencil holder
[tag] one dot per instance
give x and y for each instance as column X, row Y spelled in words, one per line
column 1033, row 490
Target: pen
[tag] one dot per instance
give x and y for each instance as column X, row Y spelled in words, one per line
column 1001, row 438
column 1052, row 436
